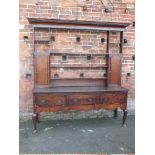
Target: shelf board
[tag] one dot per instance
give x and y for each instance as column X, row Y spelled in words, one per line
column 84, row 78
column 114, row 43
column 77, row 54
column 58, row 66
column 41, row 41
column 42, row 23
column 73, row 54
column 79, row 89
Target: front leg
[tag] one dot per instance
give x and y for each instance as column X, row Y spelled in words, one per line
column 34, row 119
column 37, row 117
column 115, row 113
column 124, row 117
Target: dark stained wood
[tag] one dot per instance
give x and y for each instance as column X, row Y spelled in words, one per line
column 110, row 106
column 115, row 70
column 85, row 93
column 37, row 117
column 83, row 99
column 76, row 28
column 42, row 41
column 50, row 100
column 64, row 108
column 124, row 116
column 76, row 54
column 76, row 82
column 121, row 42
column 81, row 89
column 115, row 113
column 72, row 99
column 80, row 78
column 107, row 60
column 34, row 119
column 58, row 24
column 79, row 66
column 42, row 70
column 113, row 98
column 77, row 23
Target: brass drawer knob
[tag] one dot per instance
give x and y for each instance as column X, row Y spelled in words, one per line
column 105, row 100
column 75, row 100
column 89, row 99
column 43, row 101
column 60, row 102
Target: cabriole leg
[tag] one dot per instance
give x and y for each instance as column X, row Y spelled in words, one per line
column 115, row 113
column 124, row 117
column 37, row 117
column 34, row 119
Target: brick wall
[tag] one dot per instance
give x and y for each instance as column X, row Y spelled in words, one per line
column 92, row 10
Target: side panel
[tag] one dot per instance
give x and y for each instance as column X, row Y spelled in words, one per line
column 115, row 70
column 42, row 70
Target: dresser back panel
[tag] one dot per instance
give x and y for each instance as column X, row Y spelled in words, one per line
column 115, row 70
column 41, row 70
column 76, row 82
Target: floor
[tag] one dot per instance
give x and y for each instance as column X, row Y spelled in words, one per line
column 97, row 135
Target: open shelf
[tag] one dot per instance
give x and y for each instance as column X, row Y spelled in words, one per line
column 41, row 41
column 114, row 43
column 54, row 60
column 78, row 66
column 78, row 54
column 72, row 54
column 83, row 78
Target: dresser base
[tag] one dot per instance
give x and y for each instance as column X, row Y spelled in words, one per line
column 79, row 99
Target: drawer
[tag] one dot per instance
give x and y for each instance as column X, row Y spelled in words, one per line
column 83, row 99
column 50, row 100
column 113, row 98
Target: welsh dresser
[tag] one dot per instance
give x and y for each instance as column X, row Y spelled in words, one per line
column 95, row 82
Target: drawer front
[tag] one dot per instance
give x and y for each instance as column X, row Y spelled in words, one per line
column 113, row 98
column 50, row 100
column 83, row 99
